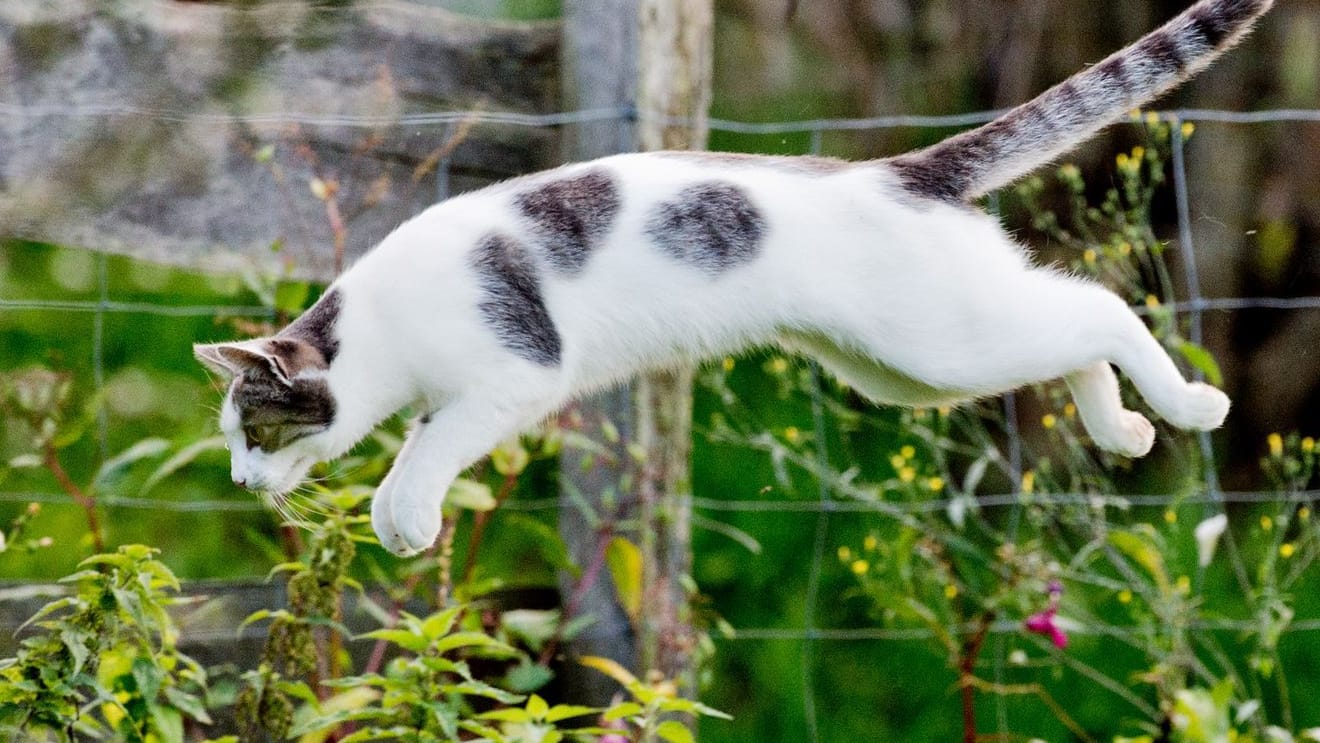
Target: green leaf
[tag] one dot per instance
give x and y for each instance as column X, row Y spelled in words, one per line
column 181, row 459
column 622, row 710
column 1142, row 552
column 188, row 704
column 527, row 676
column 401, row 637
column 674, row 732
column 440, row 623
column 472, row 640
column 568, row 711
column 624, row 560
column 470, row 495
column 1203, row 361
column 115, row 466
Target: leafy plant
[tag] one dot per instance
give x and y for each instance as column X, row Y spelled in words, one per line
column 105, row 661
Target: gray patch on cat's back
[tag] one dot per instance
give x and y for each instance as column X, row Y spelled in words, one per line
column 316, row 326
column 571, row 216
column 713, row 226
column 512, row 304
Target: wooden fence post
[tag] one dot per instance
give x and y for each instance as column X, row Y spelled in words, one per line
column 599, row 72
column 674, row 89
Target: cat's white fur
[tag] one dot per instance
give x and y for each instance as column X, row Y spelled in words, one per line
column 910, row 300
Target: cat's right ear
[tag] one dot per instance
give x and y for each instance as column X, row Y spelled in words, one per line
column 210, row 356
column 236, row 358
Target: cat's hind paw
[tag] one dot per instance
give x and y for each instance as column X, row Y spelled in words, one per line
column 1133, row 436
column 1202, row 408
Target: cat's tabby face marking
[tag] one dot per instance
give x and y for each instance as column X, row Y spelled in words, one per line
column 513, row 305
column 713, row 226
column 570, row 217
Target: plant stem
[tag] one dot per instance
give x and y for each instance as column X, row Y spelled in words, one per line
column 971, row 650
column 584, row 585
column 82, row 498
column 479, row 522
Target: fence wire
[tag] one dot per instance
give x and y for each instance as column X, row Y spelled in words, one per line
column 1194, row 308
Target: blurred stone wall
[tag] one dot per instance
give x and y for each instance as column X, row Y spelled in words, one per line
column 191, row 132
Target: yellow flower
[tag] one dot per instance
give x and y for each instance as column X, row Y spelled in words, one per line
column 1171, row 516
column 1028, row 481
column 897, row 462
column 845, row 554
column 950, row 591
column 728, row 363
column 1266, row 523
column 779, row 365
column 1152, row 302
column 908, row 452
column 1303, row 513
column 1090, row 257
column 1188, row 129
column 944, row 411
column 935, row 483
column 1138, row 153
column 1276, row 445
column 1184, row 585
column 1287, row 549
column 870, row 543
column 1308, row 445
column 860, row 567
column 907, row 474
column 1070, row 411
column 792, row 434
column 1122, row 160
column 1049, row 421
column 1125, row 596
column 1152, row 118
column 1125, row 249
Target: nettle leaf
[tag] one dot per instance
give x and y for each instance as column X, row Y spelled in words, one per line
column 181, row 459
column 401, row 637
column 116, row 466
column 484, row 642
column 470, row 495
column 439, row 624
column 674, row 732
column 1203, row 361
column 624, row 559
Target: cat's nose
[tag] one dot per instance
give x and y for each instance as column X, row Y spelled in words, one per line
column 240, row 481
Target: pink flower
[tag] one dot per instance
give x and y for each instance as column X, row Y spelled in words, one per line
column 1043, row 624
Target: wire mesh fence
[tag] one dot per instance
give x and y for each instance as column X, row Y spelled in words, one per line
column 832, row 502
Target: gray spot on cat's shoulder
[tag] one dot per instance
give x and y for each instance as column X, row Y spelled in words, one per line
column 316, row 326
column 512, row 304
column 712, row 225
column 570, row 216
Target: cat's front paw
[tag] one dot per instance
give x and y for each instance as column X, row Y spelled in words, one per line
column 404, row 525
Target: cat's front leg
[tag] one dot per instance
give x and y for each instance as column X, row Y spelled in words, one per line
column 405, row 513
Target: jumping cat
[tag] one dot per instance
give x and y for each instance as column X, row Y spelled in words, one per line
column 493, row 309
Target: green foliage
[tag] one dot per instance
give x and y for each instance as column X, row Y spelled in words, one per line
column 104, row 661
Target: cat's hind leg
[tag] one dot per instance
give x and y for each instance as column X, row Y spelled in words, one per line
column 1111, row 426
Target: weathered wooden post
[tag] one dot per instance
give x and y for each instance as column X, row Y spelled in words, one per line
column 599, row 72
column 674, row 88
column 657, row 54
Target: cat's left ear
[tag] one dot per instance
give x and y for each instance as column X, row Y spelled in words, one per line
column 235, row 359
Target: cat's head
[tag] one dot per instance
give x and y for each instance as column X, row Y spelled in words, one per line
column 278, row 412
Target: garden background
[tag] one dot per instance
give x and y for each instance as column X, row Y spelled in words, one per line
column 175, row 172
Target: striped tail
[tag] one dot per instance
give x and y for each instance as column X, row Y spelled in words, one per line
column 976, row 162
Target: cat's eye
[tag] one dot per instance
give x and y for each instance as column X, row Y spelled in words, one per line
column 264, row 437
